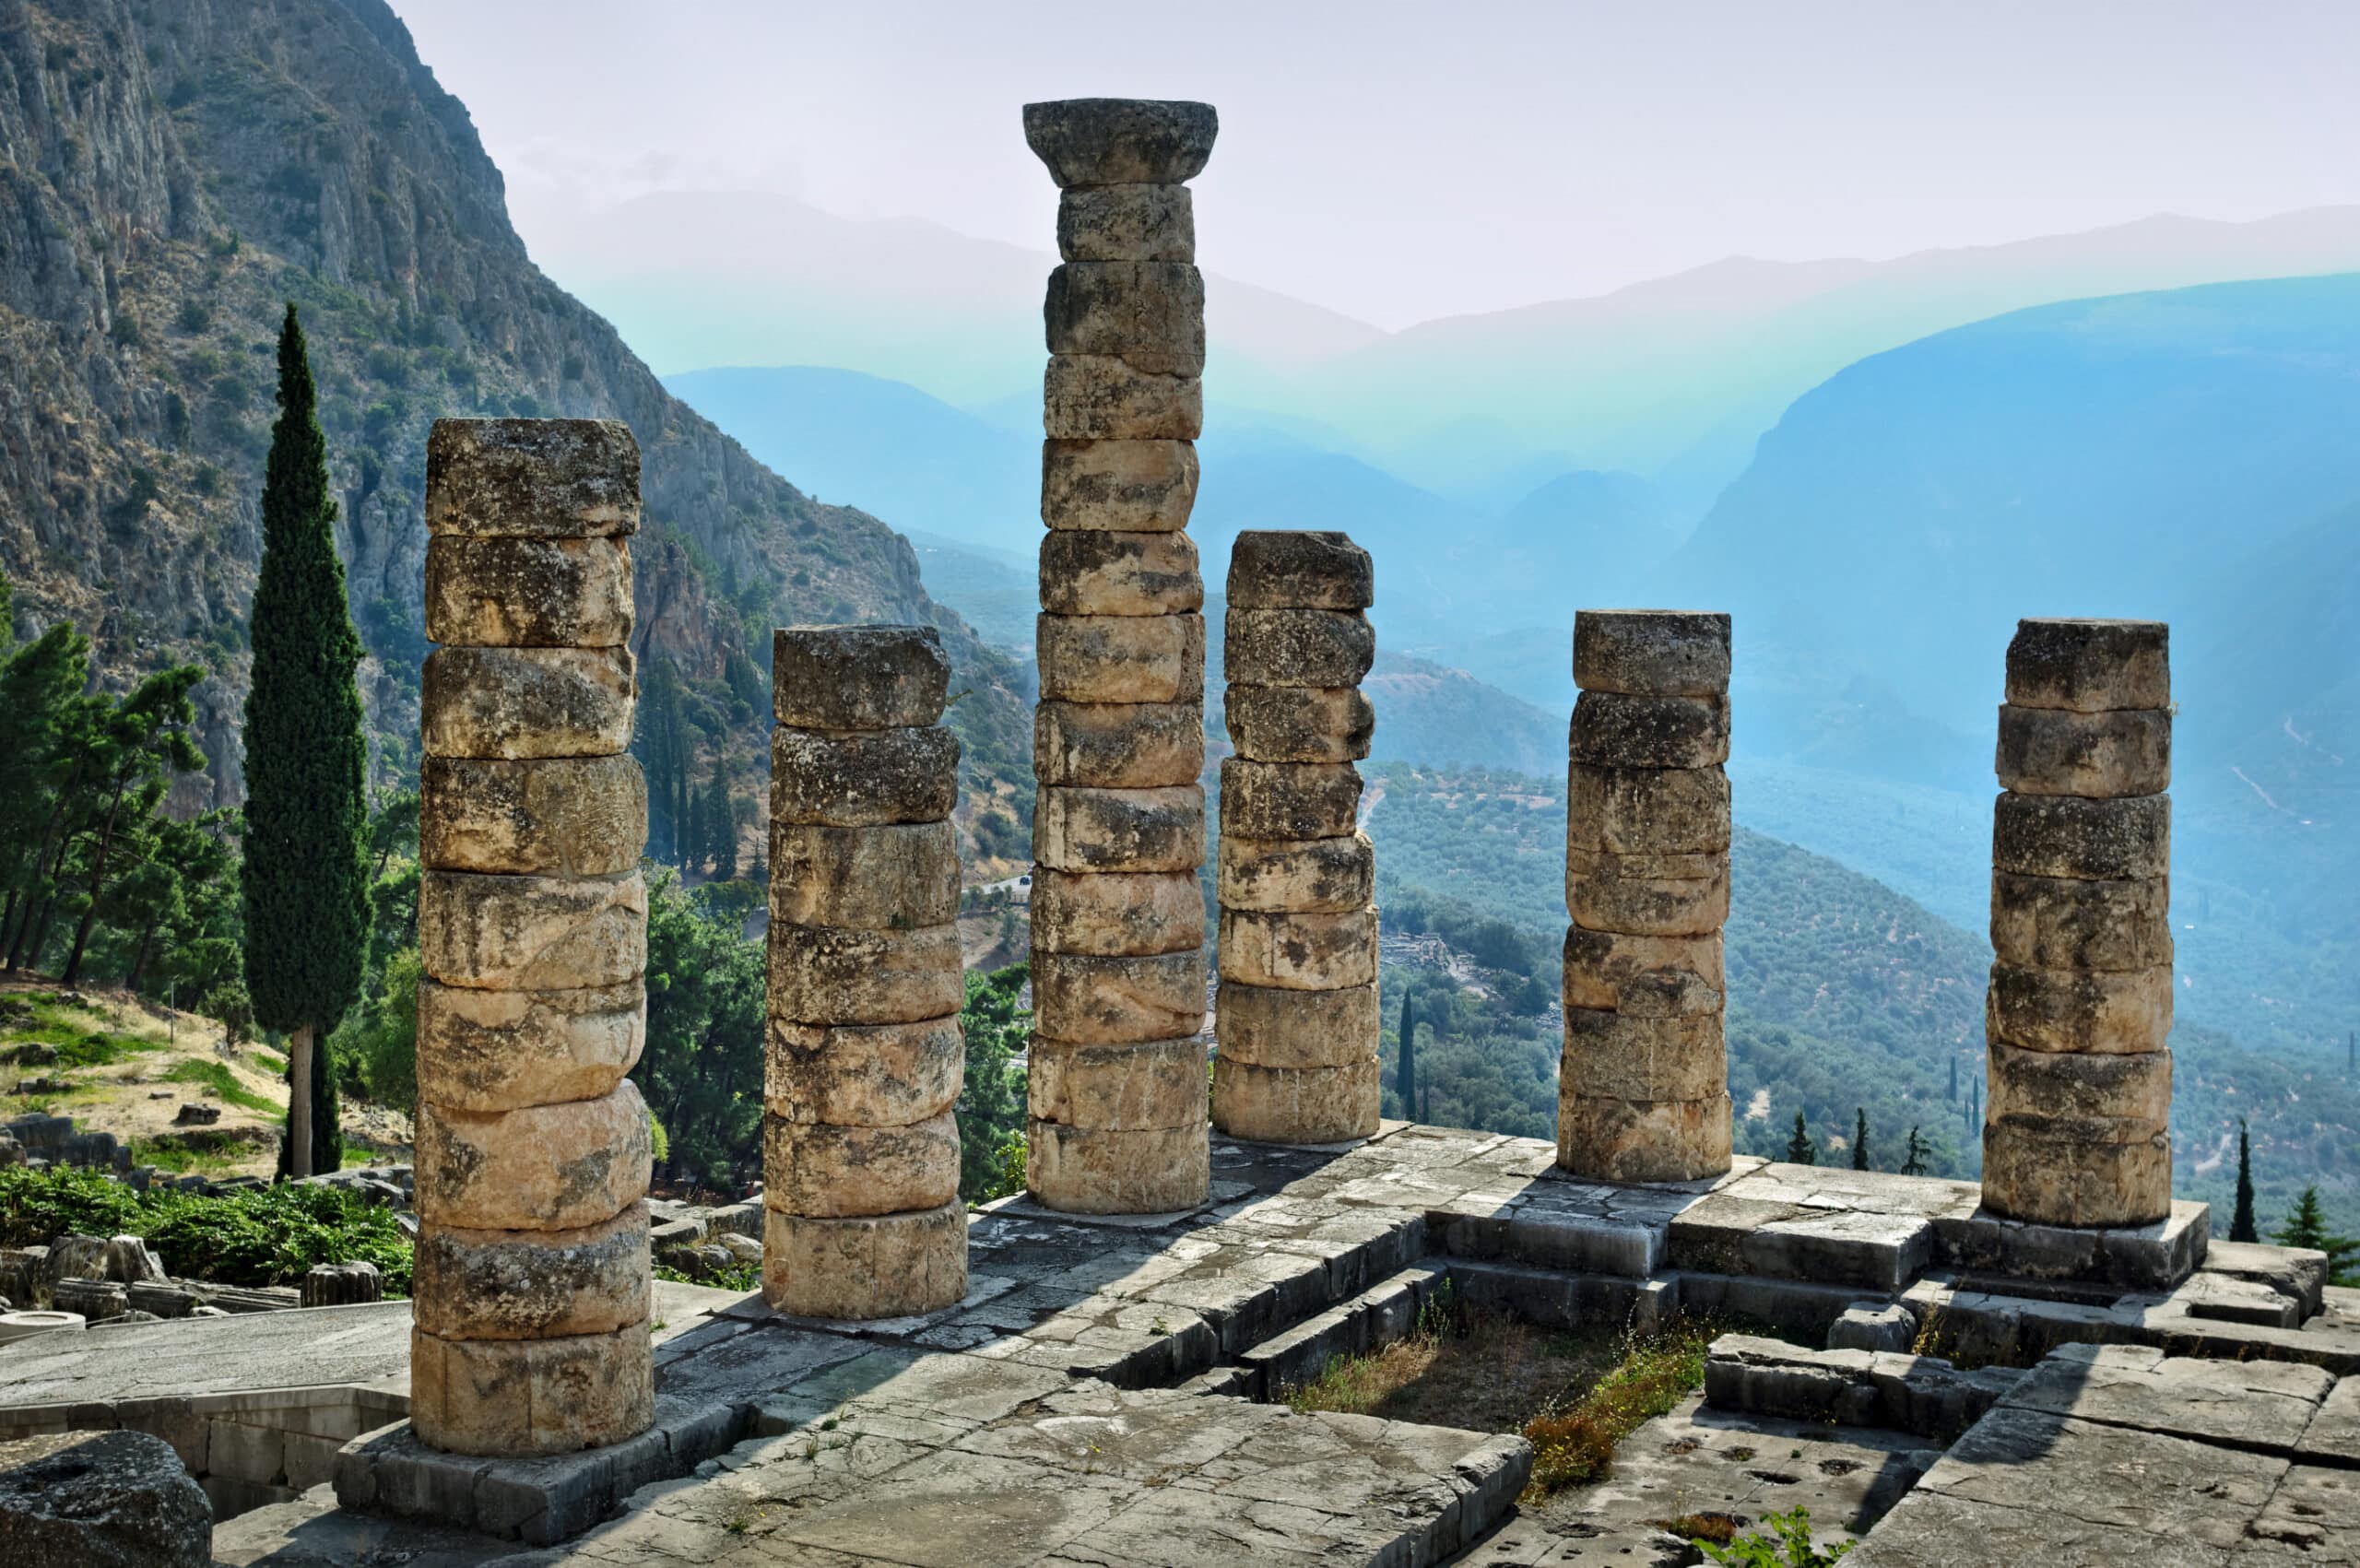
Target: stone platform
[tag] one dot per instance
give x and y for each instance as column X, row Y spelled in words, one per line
column 1104, row 1375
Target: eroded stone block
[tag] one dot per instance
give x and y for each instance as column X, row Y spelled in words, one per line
column 840, row 678
column 830, row 975
column 1276, row 1027
column 1626, row 1140
column 1601, row 965
column 1119, row 829
column 1117, row 914
column 1117, row 1170
column 1094, row 572
column 881, row 1266
column 2068, row 1173
column 2122, row 751
column 2076, row 922
column 1289, row 800
column 1118, row 744
column 1121, row 658
column 554, row 815
column 1299, row 724
column 1647, row 895
column 501, row 1050
column 532, row 1396
column 1155, row 1083
column 1149, row 314
column 896, row 877
column 1284, row 568
column 1652, row 652
column 528, row 593
column 1647, row 811
column 1297, row 647
column 544, row 478
column 821, row 1169
column 2090, row 666
column 1617, row 730
column 1299, row 951
column 2081, row 1084
column 864, row 779
column 1121, row 141
column 2052, row 1010
column 526, row 701
column 882, row 1075
column 1619, row 1056
column 532, row 1284
column 1296, row 1104
column 1308, row 876
column 1099, row 397
column 1131, row 222
column 545, row 1168
column 2063, row 835
column 1088, row 1000
column 532, row 933
column 1121, row 486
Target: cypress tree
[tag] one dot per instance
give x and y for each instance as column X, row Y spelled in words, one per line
column 1799, row 1151
column 305, row 879
column 1405, row 1076
column 1859, row 1139
column 1952, row 1098
column 2241, row 1223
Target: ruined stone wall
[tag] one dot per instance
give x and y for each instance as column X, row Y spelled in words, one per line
column 2077, row 1120
column 1297, row 1011
column 860, row 1149
column 1117, row 1089
column 1643, row 1090
column 532, row 1293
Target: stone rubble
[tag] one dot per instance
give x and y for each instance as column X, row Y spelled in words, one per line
column 860, row 1160
column 1296, row 1013
column 2077, row 1122
column 1643, row 1090
column 1119, row 820
column 534, row 1148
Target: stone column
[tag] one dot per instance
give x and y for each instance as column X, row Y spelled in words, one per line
column 1643, row 1093
column 532, row 1293
column 2077, row 1120
column 1296, row 1014
column 860, row 1152
column 1117, row 1080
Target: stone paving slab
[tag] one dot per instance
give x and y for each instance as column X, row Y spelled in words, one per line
column 2263, row 1406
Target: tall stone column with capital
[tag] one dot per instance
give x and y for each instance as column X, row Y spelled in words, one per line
column 1643, row 1090
column 1118, row 1091
column 532, row 1294
column 1296, row 1013
column 860, row 1149
column 2077, row 1119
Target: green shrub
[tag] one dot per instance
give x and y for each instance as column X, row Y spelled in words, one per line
column 1785, row 1544
column 222, row 1084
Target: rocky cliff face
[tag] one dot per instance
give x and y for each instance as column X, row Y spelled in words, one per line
column 173, row 170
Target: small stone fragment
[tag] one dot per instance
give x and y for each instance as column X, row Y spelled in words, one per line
column 1087, row 1001
column 2063, row 835
column 1299, row 951
column 1299, row 568
column 2122, row 751
column 1118, row 486
column 884, row 1075
column 1117, row 913
column 1611, row 729
column 1099, row 572
column 503, row 1049
column 528, row 593
column 544, row 1168
column 526, row 701
column 1299, row 724
column 1626, row 1140
column 2090, row 666
column 1098, row 397
column 1297, row 647
column 1149, row 314
column 1121, row 658
column 1652, row 652
column 1121, row 141
column 864, row 779
column 830, row 1171
column 1312, row 876
column 532, row 1396
column 1311, row 1105
column 532, row 933
column 1282, row 1028
column 1118, row 744
column 841, row 677
column 2053, row 1009
column 1289, row 800
column 540, row 479
column 880, row 1265
column 82, row 1499
column 532, row 1284
column 1119, row 829
column 1131, row 222
column 830, row 975
column 553, row 815
column 1117, row 1170
column 1154, row 1083
column 887, row 878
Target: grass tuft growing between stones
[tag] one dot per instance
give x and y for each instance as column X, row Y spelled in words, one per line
column 1574, row 1443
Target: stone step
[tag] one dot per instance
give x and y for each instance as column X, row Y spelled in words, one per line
column 1384, row 1312
column 1922, row 1395
column 1557, row 1300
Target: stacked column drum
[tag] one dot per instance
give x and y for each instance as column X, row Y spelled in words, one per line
column 1643, row 1091
column 1118, row 1095
column 860, row 1153
column 1296, row 1012
column 2076, row 1126
column 533, row 1154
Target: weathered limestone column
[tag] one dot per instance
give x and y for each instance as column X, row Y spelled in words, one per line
column 1296, row 1014
column 1117, row 1080
column 532, row 1291
column 2077, row 1123
column 1643, row 1093
column 860, row 1152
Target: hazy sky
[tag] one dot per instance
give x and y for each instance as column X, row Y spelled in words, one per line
column 1401, row 161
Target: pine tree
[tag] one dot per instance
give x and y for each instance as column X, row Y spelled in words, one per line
column 2306, row 1227
column 1859, row 1139
column 1799, row 1151
column 2241, row 1223
column 305, row 879
column 1405, row 1076
column 142, row 738
column 1913, row 1161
